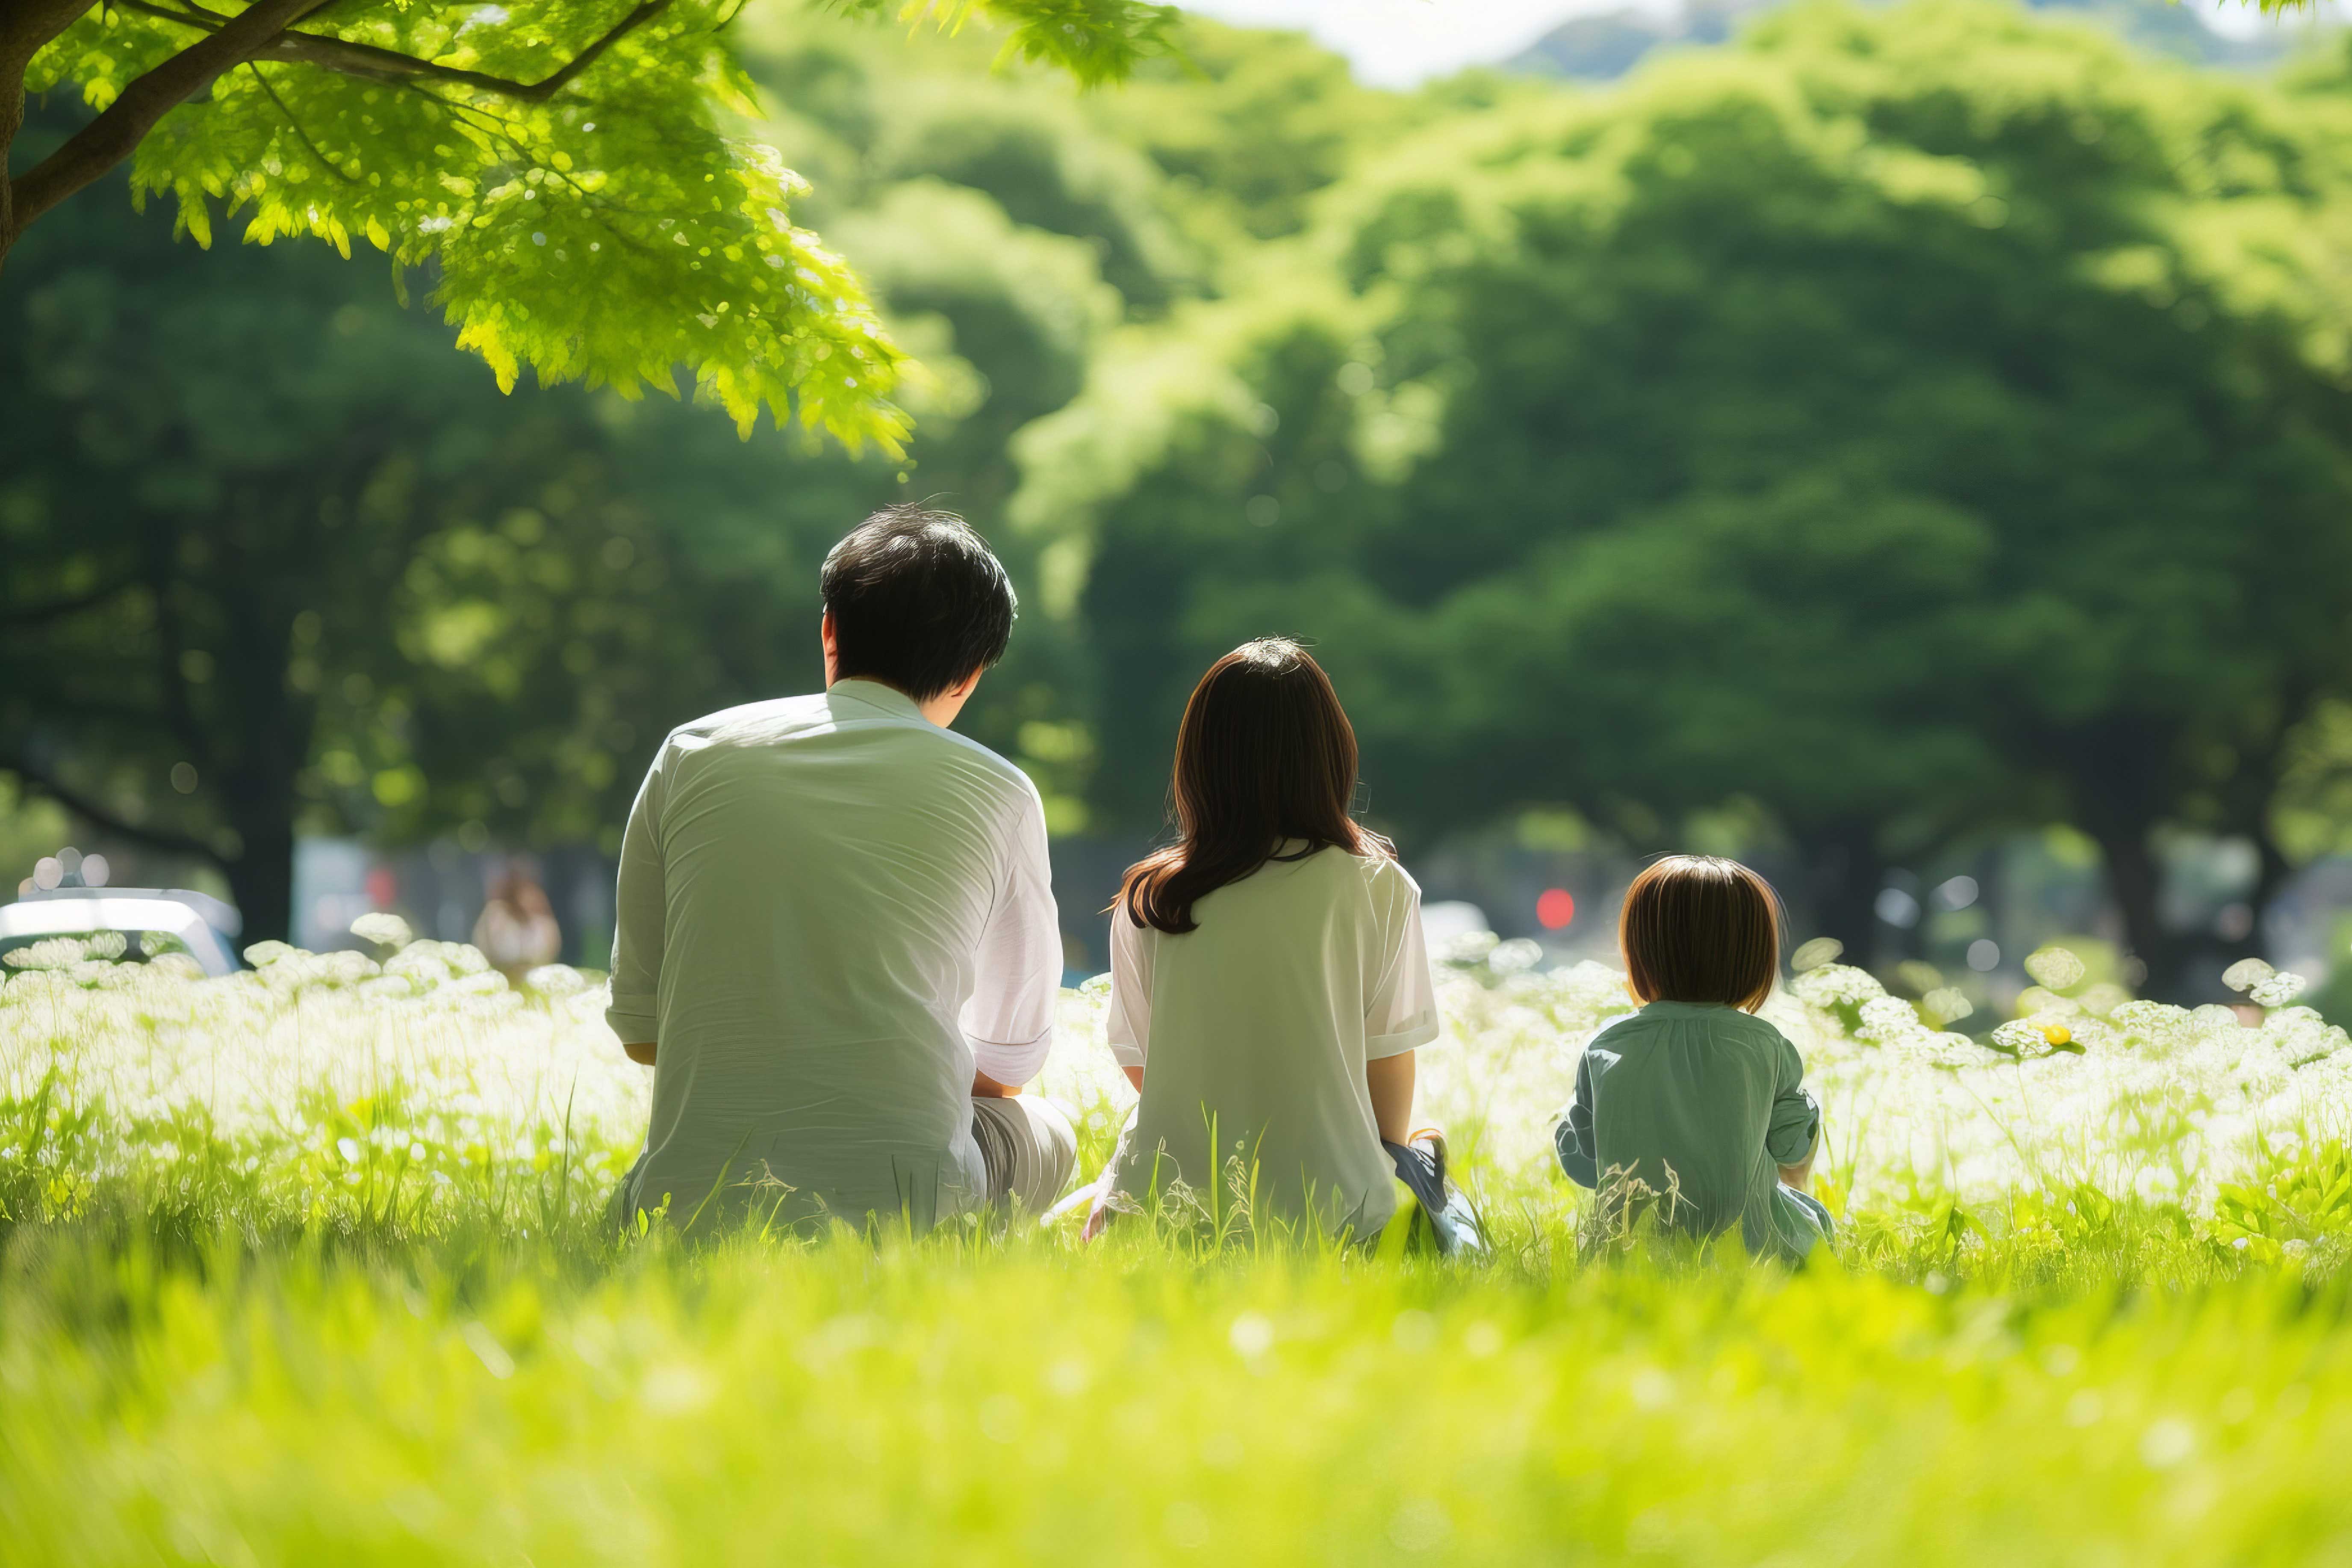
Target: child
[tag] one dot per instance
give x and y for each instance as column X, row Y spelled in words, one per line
column 1268, row 976
column 1694, row 1094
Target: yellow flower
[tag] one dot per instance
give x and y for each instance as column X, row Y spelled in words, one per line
column 2057, row 1034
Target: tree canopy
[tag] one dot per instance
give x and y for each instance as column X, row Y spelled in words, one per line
column 279, row 563
column 1891, row 429
column 572, row 174
column 1904, row 420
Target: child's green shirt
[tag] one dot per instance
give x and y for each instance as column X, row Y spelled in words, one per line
column 1716, row 1096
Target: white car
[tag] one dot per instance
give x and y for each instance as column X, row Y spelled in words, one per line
column 198, row 921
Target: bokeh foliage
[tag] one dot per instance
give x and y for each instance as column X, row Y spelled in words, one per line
column 1900, row 419
column 1889, row 429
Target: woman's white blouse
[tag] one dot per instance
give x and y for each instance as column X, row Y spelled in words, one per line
column 1261, row 1022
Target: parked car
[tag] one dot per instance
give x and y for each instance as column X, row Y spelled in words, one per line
column 197, row 922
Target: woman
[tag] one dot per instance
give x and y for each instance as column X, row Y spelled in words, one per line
column 1268, row 977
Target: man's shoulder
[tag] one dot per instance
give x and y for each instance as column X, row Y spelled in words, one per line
column 1003, row 776
column 782, row 720
column 772, row 717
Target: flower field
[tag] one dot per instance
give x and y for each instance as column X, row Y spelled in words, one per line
column 311, row 1264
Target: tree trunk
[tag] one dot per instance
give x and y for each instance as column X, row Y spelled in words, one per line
column 261, row 876
column 1843, row 870
column 2272, row 872
column 2135, row 882
column 25, row 26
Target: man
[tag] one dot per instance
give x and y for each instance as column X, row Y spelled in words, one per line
column 837, row 939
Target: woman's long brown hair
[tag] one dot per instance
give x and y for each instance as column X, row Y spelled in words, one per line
column 1265, row 753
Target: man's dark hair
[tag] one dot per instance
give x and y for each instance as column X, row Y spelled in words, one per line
column 917, row 601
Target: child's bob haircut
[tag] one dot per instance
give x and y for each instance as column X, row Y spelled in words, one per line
column 1697, row 928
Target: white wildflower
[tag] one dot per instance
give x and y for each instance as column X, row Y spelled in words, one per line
column 1514, row 957
column 2026, row 1038
column 1812, row 955
column 2246, row 973
column 2101, row 999
column 1888, row 1021
column 463, row 958
column 2150, row 1019
column 556, row 979
column 262, row 954
column 2056, row 968
column 1469, row 948
column 383, row 928
column 1947, row 1005
column 2278, row 989
column 51, row 953
column 2038, row 999
column 1832, row 983
column 106, row 944
column 1947, row 1049
column 420, row 964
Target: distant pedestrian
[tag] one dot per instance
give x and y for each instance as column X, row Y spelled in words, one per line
column 517, row 931
column 1694, row 1103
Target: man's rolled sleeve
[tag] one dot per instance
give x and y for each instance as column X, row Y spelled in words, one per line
column 640, row 914
column 1009, row 1021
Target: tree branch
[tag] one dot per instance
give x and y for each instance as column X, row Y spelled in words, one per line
column 320, row 157
column 71, row 604
column 96, row 815
column 112, row 137
column 26, row 28
column 178, row 712
column 349, row 57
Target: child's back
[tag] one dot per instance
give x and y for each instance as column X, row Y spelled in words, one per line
column 1693, row 1097
column 1706, row 1103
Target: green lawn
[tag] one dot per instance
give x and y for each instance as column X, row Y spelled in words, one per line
column 310, row 1266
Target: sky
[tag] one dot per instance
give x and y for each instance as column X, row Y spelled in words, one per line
column 1395, row 43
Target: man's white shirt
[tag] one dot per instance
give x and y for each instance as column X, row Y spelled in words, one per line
column 830, row 911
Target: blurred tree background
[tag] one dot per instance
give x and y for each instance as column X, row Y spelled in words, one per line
column 1878, row 438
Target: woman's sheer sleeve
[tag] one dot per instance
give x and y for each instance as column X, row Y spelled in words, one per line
column 1402, row 1011
column 1128, row 1026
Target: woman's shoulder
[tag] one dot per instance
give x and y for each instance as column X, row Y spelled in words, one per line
column 1379, row 869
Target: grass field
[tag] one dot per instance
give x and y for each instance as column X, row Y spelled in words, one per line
column 310, row 1266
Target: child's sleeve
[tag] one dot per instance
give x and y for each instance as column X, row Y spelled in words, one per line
column 1573, row 1137
column 1796, row 1114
